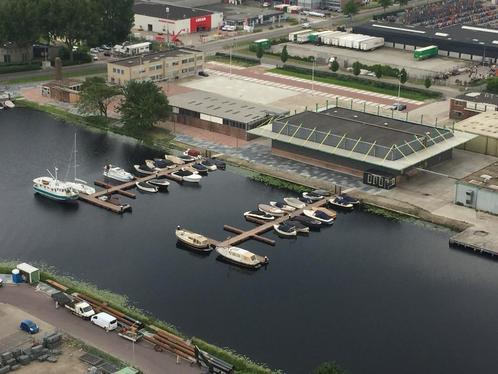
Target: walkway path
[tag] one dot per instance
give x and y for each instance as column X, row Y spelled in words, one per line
column 143, row 356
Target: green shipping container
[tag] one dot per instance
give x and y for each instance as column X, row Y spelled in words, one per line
column 425, row 52
column 265, row 43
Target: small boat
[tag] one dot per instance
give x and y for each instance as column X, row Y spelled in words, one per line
column 312, row 196
column 174, row 159
column 54, row 189
column 285, row 229
column 242, row 257
column 115, row 201
column 306, row 200
column 160, row 183
column 146, row 187
column 116, row 173
column 144, row 169
column 192, row 152
column 211, row 166
column 319, row 215
column 293, row 202
column 1, row 106
column 259, row 215
column 340, row 202
column 221, row 165
column 9, row 104
column 351, row 199
column 187, row 176
column 284, row 207
column 151, row 165
column 187, row 158
column 201, row 169
column 193, row 240
column 329, row 212
column 300, row 227
column 312, row 223
column 274, row 211
column 161, row 164
column 81, row 187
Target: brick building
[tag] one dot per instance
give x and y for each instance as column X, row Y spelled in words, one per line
column 472, row 103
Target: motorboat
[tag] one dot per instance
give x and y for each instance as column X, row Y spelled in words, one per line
column 146, row 187
column 8, row 104
column 242, row 257
column 187, row 175
column 115, row 201
column 329, row 212
column 193, row 240
column 300, row 227
column 293, row 202
column 116, row 173
column 312, row 223
column 174, row 159
column 285, row 229
column 160, row 183
column 259, row 215
column 78, row 184
column 274, row 211
column 161, row 164
column 221, row 165
column 284, row 207
column 351, row 199
column 312, row 196
column 201, row 169
column 306, row 200
column 341, row 202
column 152, row 165
column 54, row 189
column 187, row 158
column 319, row 215
column 323, row 193
column 192, row 152
column 144, row 169
column 211, row 166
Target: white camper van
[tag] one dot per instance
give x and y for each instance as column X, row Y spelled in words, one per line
column 104, row 320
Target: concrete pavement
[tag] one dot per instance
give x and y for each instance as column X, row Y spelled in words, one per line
column 141, row 355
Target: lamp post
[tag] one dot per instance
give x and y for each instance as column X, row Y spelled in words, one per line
column 230, row 52
column 313, row 78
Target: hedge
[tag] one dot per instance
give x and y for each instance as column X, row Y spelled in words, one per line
column 14, row 68
column 251, row 60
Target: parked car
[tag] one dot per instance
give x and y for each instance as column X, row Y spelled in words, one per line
column 107, row 54
column 29, row 326
column 104, row 320
column 94, row 50
column 105, row 47
column 306, row 25
column 398, row 106
column 94, row 57
column 203, row 74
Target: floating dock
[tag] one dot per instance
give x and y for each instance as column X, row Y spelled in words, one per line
column 476, row 240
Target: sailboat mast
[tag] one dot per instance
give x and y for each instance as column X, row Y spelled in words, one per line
column 75, row 157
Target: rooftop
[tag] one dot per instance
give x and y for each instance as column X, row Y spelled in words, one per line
column 139, row 60
column 485, row 124
column 241, row 12
column 485, row 178
column 168, row 11
column 479, row 97
column 224, row 107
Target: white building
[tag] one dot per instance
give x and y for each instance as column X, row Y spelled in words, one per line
column 479, row 190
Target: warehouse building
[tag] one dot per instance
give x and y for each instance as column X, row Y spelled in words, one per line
column 247, row 15
column 479, row 190
column 380, row 148
column 173, row 19
column 220, row 114
column 160, row 66
column 471, row 104
column 464, row 42
column 485, row 128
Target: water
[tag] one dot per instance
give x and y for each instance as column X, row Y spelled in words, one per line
column 376, row 296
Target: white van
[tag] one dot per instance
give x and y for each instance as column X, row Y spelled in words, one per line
column 104, row 320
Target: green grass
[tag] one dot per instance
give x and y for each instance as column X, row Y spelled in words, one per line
column 405, row 92
column 47, row 77
column 235, row 61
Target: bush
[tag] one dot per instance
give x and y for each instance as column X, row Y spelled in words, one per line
column 14, row 68
column 492, row 84
column 80, row 56
column 246, row 59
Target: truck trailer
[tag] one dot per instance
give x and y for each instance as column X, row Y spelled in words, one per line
column 425, row 52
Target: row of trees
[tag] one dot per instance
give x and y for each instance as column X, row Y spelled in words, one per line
column 94, row 22
column 142, row 103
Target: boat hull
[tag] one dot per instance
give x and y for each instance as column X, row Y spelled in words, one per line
column 237, row 263
column 55, row 197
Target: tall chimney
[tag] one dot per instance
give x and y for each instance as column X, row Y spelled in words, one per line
column 58, row 69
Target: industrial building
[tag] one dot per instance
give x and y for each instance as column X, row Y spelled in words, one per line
column 13, row 54
column 220, row 114
column 173, row 19
column 471, row 104
column 247, row 15
column 360, row 143
column 485, row 128
column 458, row 41
column 479, row 190
column 160, row 66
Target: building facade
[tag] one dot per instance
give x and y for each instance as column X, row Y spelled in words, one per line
column 471, row 104
column 160, row 66
column 479, row 190
column 485, row 128
column 12, row 54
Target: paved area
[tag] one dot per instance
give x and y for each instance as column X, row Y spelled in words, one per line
column 41, row 307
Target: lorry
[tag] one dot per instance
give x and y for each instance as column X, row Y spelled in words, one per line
column 425, row 52
column 79, row 308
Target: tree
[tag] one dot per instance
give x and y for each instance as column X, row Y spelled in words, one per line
column 95, row 96
column 143, row 104
column 385, row 4
column 334, row 66
column 329, row 368
column 351, row 8
column 427, row 82
column 284, row 56
column 259, row 51
column 116, row 19
column 403, row 76
column 492, row 84
column 378, row 72
column 19, row 22
column 356, row 68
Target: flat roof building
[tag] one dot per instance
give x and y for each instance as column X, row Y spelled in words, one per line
column 220, row 114
column 485, row 128
column 160, row 66
column 354, row 142
column 472, row 103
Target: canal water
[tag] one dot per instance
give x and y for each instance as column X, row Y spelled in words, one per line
column 374, row 295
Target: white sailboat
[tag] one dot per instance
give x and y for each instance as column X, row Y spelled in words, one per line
column 78, row 184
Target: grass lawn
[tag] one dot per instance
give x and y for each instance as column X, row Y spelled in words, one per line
column 47, row 77
column 406, row 92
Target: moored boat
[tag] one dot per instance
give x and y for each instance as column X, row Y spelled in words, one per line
column 221, row 165
column 329, row 212
column 160, row 183
column 9, row 104
column 341, row 203
column 144, row 169
column 201, row 169
column 187, row 175
column 146, row 187
column 209, row 164
column 351, row 199
column 319, row 215
column 284, row 207
column 312, row 196
column 312, row 223
column 76, row 184
column 296, row 203
column 300, row 227
column 174, row 159
column 54, row 189
column 285, row 229
column 259, row 215
column 242, row 257
column 192, row 152
column 161, row 164
column 193, row 240
column 187, row 158
column 117, row 173
column 323, row 193
column 273, row 210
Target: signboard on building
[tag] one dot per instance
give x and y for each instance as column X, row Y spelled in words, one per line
column 379, row 179
column 202, row 23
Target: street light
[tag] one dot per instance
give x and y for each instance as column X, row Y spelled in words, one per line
column 313, row 78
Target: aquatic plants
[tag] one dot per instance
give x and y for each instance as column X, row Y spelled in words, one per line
column 279, row 183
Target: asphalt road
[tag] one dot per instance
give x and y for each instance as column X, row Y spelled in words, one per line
column 143, row 356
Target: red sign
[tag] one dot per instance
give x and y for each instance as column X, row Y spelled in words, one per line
column 200, row 23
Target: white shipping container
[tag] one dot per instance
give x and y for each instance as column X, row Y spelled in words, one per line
column 328, row 39
column 293, row 35
column 303, row 38
column 357, row 42
column 372, row 43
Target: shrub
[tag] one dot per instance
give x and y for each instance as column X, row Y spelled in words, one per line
column 14, row 68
